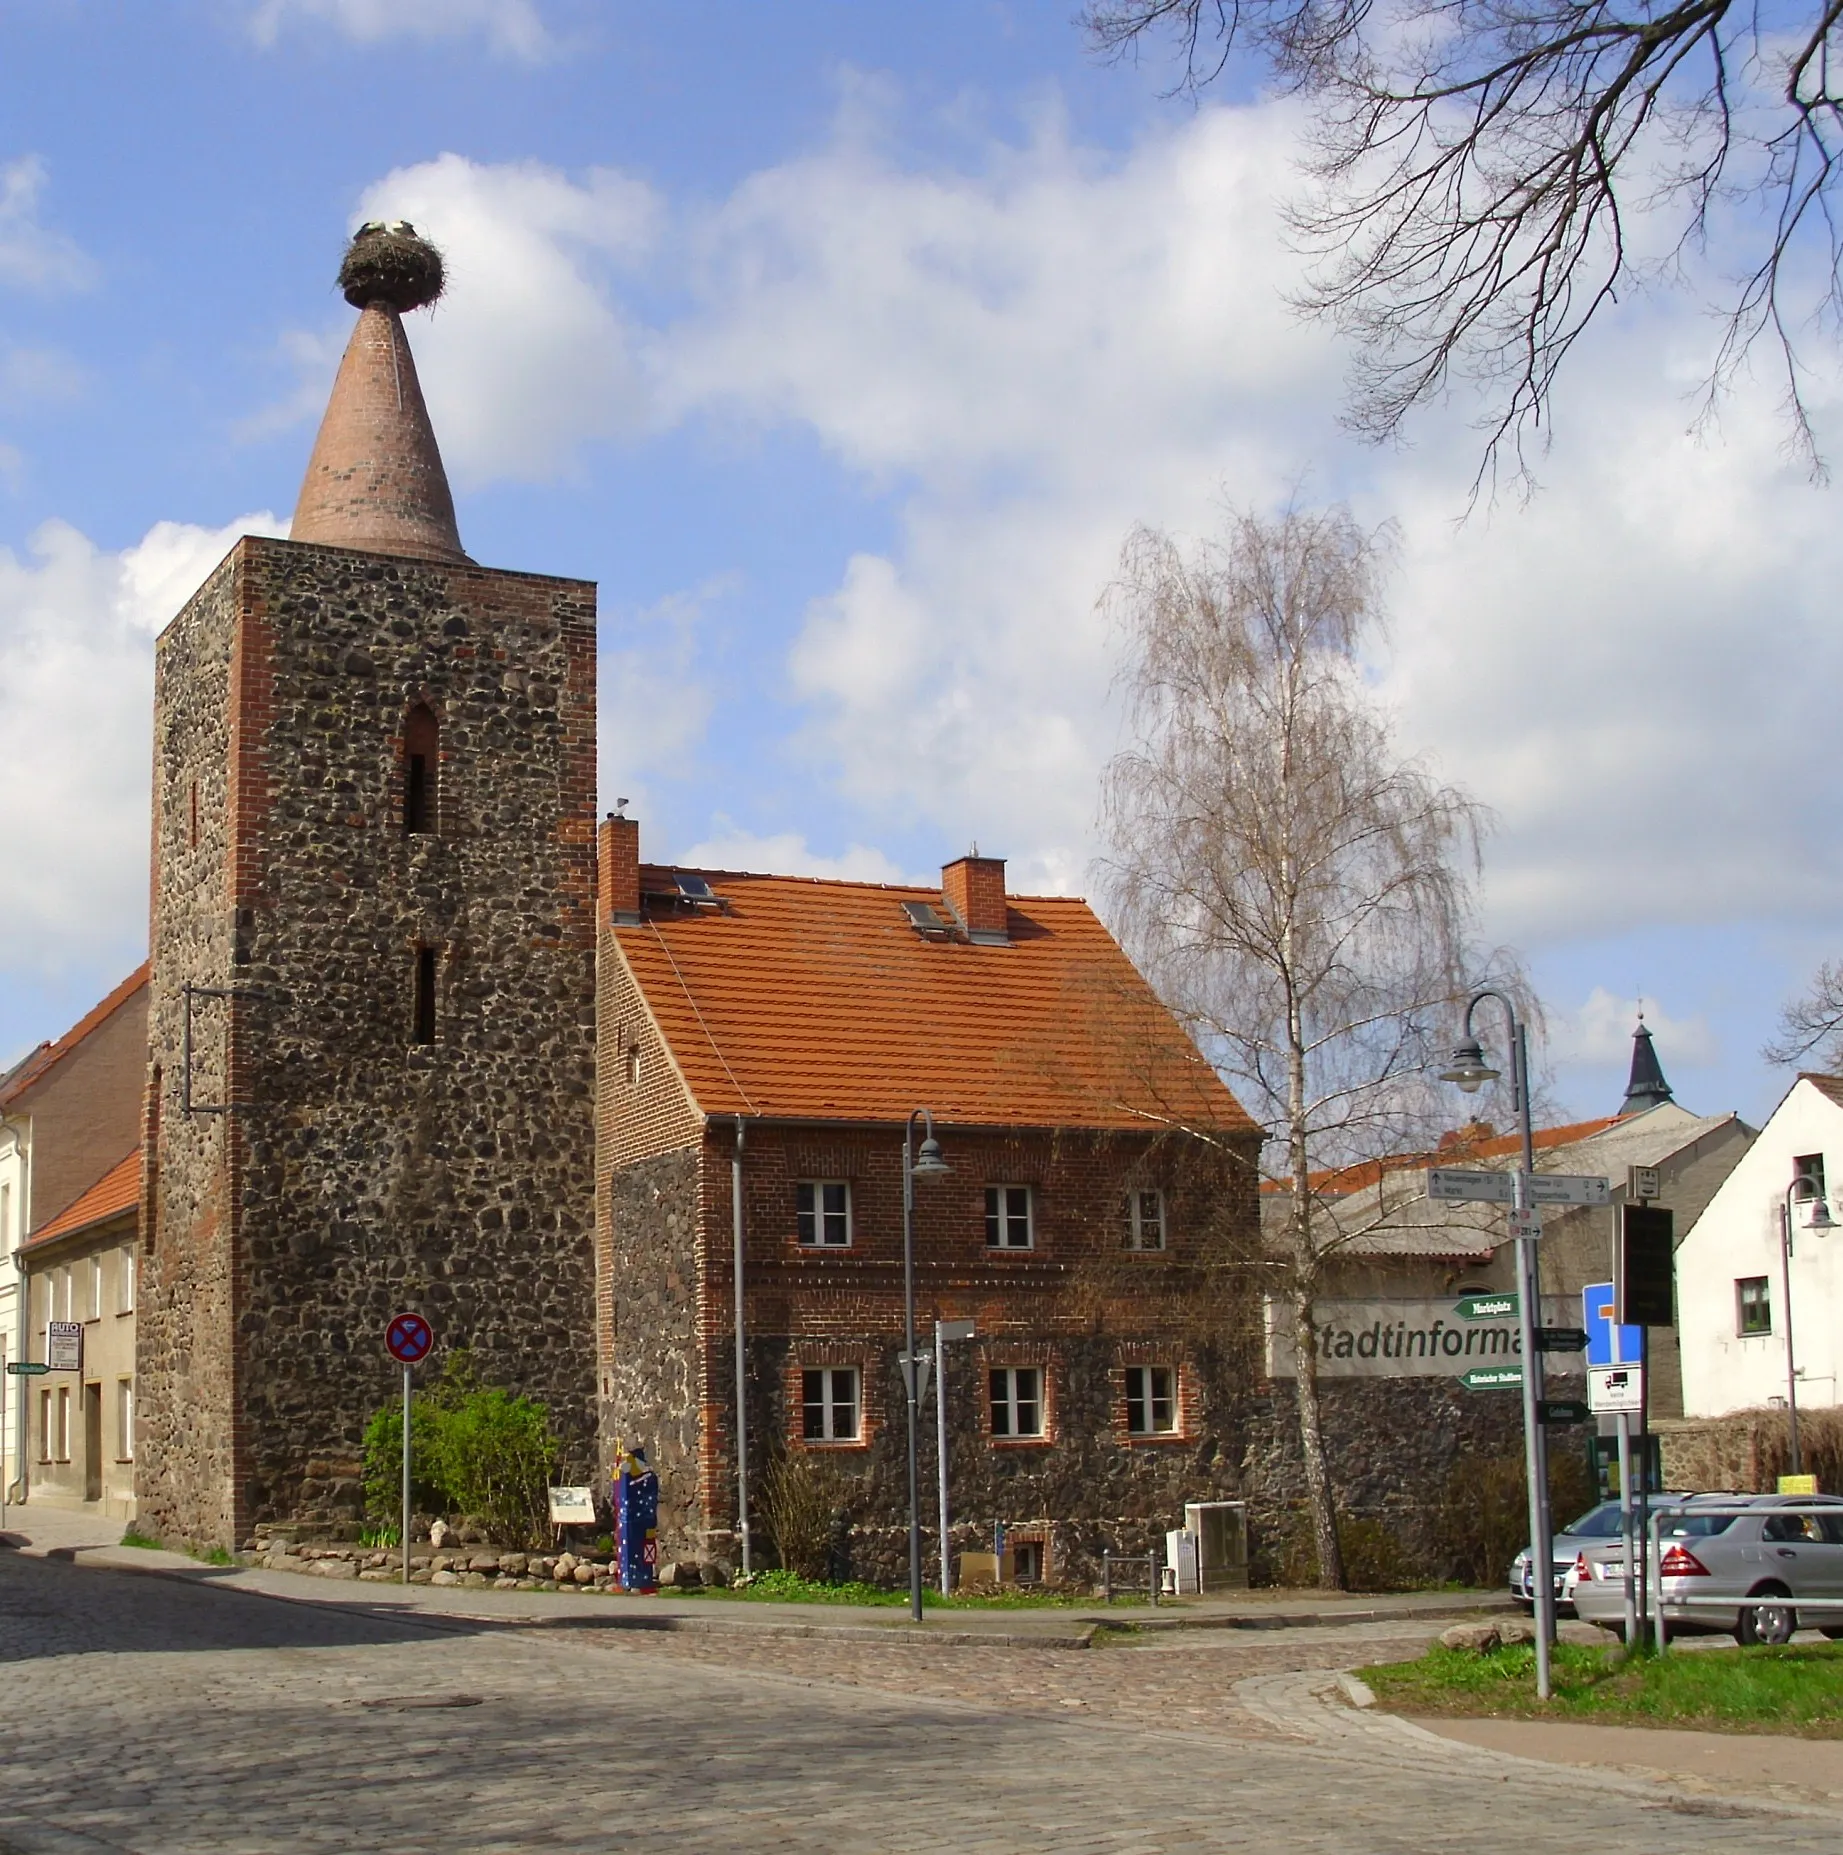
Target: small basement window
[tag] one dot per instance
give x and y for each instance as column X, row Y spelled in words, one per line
column 829, row 1404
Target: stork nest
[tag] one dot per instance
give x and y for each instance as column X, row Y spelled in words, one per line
column 390, row 262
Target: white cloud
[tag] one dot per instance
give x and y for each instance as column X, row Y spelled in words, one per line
column 31, row 255
column 1600, row 1031
column 786, row 853
column 77, row 626
column 513, row 26
column 527, row 357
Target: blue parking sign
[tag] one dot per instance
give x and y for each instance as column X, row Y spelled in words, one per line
column 1607, row 1344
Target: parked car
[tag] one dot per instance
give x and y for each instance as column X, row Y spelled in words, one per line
column 1594, row 1527
column 1769, row 1551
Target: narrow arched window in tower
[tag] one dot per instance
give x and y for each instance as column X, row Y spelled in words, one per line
column 422, row 1028
column 421, row 771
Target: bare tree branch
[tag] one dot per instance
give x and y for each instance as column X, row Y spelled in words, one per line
column 1813, row 1023
column 1477, row 169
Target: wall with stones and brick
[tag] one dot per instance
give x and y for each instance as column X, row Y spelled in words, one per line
column 360, row 1172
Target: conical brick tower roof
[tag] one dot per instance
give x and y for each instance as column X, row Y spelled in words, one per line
column 375, row 480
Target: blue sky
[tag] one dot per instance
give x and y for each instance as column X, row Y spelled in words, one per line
column 842, row 344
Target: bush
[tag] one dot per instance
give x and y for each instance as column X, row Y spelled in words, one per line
column 1374, row 1559
column 475, row 1450
column 801, row 1503
column 1484, row 1515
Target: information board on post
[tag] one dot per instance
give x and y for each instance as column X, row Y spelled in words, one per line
column 64, row 1346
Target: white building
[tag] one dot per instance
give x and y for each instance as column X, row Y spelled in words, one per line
column 1732, row 1270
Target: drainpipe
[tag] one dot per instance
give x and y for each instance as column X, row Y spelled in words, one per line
column 21, row 1313
column 742, row 1380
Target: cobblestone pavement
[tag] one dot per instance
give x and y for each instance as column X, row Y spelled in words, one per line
column 149, row 1715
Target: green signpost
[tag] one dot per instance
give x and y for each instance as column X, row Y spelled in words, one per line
column 26, row 1368
column 1493, row 1378
column 1487, row 1307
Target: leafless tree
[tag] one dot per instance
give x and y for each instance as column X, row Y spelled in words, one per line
column 1813, row 1023
column 1479, row 170
column 1299, row 893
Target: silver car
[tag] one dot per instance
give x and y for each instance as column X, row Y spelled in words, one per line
column 1777, row 1549
column 1594, row 1528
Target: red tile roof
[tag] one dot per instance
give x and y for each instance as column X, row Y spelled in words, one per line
column 31, row 1071
column 118, row 1190
column 817, row 1000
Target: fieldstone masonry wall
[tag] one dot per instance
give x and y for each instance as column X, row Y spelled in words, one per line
column 360, row 1172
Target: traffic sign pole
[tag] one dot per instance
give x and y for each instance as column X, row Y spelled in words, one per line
column 406, row 1474
column 407, row 1339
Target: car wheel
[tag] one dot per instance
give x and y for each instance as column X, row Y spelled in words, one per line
column 1770, row 1622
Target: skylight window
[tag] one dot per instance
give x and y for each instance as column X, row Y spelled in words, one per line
column 927, row 920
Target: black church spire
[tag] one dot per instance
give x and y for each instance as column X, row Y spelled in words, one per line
column 1647, row 1087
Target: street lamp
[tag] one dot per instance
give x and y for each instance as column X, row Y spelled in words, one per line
column 1823, row 1223
column 1470, row 1071
column 925, row 1164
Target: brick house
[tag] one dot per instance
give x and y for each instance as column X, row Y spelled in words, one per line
column 777, row 1032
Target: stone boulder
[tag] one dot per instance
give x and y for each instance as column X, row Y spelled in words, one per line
column 1472, row 1638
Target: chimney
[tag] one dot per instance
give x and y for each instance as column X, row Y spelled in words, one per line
column 974, row 888
column 375, row 480
column 617, row 870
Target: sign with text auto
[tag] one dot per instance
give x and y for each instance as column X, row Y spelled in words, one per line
column 64, row 1345
column 1400, row 1339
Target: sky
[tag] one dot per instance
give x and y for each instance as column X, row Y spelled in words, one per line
column 843, row 342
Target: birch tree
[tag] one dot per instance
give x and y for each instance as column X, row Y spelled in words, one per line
column 1299, row 892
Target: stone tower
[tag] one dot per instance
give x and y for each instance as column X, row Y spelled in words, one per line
column 372, row 1021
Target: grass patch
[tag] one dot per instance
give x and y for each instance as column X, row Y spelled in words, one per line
column 1796, row 1689
column 210, row 1555
column 783, row 1587
column 141, row 1542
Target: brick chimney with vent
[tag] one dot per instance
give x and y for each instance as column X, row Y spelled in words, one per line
column 617, row 865
column 974, row 888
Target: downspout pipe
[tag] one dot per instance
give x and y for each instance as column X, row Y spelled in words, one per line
column 742, row 1375
column 21, row 1313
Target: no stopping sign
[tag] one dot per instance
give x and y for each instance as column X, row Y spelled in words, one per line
column 408, row 1338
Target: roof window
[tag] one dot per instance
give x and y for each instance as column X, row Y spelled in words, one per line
column 928, row 921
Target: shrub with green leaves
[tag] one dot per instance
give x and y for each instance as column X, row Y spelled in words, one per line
column 475, row 1450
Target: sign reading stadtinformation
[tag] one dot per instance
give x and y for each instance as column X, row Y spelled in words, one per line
column 1401, row 1339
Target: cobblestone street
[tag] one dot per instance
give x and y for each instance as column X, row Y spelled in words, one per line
column 152, row 1715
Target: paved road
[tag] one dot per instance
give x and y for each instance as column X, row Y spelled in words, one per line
column 159, row 1717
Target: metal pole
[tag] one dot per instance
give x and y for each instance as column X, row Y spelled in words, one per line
column 940, row 1450
column 406, row 1474
column 742, row 1379
column 1535, row 1452
column 1626, row 1517
column 1791, row 1370
column 909, row 1365
column 3, row 1390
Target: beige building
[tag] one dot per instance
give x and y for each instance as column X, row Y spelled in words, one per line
column 80, row 1269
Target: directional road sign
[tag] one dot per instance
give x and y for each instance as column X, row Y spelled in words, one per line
column 1562, row 1410
column 1493, row 1378
column 1524, row 1223
column 1608, row 1344
column 1486, row 1307
column 1561, row 1339
column 408, row 1338
column 1455, row 1184
column 26, row 1368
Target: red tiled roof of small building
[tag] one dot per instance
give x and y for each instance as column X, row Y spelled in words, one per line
column 818, row 1000
column 118, row 1190
column 26, row 1074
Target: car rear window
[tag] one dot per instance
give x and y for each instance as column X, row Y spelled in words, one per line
column 1696, row 1526
column 1601, row 1522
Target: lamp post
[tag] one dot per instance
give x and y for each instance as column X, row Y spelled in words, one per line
column 1821, row 1222
column 925, row 1164
column 1470, row 1071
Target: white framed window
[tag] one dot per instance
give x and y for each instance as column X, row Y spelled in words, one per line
column 62, row 1439
column 1145, row 1220
column 831, row 1408
column 1151, row 1400
column 1753, row 1306
column 1808, row 1177
column 6, row 1216
column 124, row 1419
column 61, row 1290
column 124, row 1279
column 823, row 1213
column 1010, row 1223
column 44, row 1426
column 1017, row 1400
column 92, row 1300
